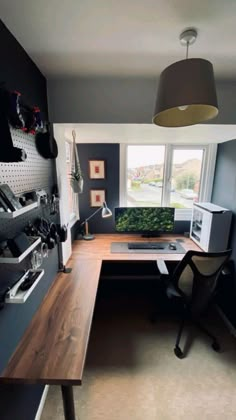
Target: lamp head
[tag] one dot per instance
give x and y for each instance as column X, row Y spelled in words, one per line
column 106, row 212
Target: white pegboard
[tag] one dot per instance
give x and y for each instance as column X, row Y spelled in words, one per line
column 33, row 173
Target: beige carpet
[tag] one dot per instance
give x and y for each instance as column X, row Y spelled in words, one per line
column 132, row 374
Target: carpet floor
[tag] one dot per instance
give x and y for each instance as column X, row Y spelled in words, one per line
column 132, row 373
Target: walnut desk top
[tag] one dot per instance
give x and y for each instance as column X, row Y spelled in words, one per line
column 53, row 348
column 100, row 248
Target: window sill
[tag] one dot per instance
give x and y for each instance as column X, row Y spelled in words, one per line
column 183, row 214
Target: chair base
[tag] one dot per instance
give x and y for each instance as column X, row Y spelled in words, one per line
column 177, row 350
column 215, row 345
column 179, row 353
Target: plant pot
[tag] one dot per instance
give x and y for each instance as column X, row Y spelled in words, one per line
column 81, row 185
column 77, row 186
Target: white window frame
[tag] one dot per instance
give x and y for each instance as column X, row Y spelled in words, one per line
column 207, row 174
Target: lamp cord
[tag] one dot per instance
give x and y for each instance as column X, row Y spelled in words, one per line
column 187, row 50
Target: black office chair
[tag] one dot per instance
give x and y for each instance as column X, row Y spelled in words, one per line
column 194, row 282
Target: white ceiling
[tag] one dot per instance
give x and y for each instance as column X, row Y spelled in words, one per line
column 147, row 133
column 124, row 37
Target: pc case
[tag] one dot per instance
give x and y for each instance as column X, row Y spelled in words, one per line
column 210, row 226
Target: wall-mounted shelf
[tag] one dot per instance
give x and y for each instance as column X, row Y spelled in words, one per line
column 197, row 233
column 15, row 295
column 17, row 260
column 16, row 213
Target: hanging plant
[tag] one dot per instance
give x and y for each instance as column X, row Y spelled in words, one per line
column 76, row 180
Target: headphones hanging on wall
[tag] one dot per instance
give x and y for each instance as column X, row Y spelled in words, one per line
column 46, row 144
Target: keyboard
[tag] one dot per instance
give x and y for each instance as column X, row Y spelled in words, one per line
column 145, row 245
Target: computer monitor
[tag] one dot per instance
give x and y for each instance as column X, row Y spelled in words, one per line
column 146, row 220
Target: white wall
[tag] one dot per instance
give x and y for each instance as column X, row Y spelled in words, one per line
column 63, row 190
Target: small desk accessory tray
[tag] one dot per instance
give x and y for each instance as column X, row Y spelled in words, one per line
column 35, row 241
column 16, row 295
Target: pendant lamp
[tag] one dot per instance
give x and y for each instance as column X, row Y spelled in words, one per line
column 186, row 93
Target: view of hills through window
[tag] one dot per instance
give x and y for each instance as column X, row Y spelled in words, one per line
column 186, row 177
column 146, row 171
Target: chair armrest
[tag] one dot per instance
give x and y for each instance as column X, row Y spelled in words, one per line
column 172, row 292
column 161, row 265
column 226, row 271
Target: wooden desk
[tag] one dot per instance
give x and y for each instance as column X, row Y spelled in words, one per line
column 100, row 248
column 53, row 348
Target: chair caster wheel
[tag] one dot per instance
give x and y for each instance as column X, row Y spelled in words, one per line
column 178, row 352
column 215, row 346
column 153, row 318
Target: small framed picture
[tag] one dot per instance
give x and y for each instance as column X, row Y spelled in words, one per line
column 97, row 197
column 96, row 169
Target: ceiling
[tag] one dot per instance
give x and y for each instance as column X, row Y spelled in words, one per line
column 121, row 38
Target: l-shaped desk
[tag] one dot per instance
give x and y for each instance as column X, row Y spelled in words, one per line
column 54, row 346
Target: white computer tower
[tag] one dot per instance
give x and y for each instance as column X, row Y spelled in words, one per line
column 210, row 227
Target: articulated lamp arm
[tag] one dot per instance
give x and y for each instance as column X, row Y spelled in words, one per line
column 93, row 214
column 106, row 212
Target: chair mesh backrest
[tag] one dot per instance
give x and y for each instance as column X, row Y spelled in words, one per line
column 196, row 277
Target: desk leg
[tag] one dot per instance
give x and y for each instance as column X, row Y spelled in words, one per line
column 68, row 402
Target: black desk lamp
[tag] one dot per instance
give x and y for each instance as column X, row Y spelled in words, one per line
column 106, row 212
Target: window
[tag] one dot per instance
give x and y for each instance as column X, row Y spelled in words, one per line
column 186, row 171
column 145, row 169
column 166, row 175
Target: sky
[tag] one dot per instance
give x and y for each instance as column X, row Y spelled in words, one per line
column 151, row 155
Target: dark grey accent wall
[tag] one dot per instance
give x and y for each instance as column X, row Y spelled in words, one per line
column 14, row 319
column 101, row 100
column 73, row 231
column 110, row 153
column 224, row 194
column 21, row 401
column 224, row 188
column 120, row 100
column 19, row 72
column 182, row 226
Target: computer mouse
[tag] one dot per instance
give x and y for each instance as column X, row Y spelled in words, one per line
column 172, row 246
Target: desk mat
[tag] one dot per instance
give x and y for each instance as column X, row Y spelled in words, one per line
column 122, row 248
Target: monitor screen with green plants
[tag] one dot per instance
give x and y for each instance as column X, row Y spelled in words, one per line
column 144, row 219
